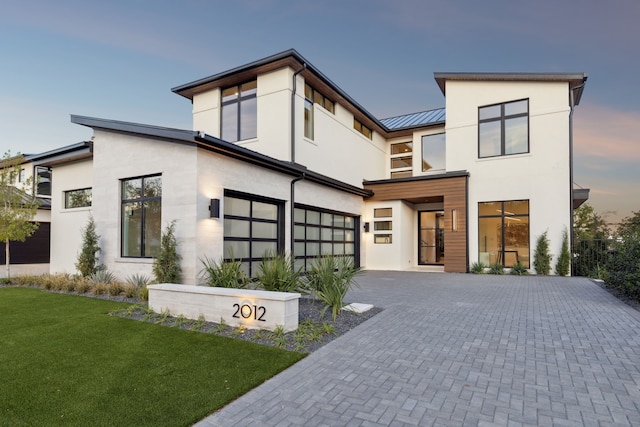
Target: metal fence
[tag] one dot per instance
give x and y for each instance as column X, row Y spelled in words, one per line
column 590, row 257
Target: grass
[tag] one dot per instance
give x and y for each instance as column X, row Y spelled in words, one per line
column 65, row 361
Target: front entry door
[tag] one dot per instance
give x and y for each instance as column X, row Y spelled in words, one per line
column 431, row 237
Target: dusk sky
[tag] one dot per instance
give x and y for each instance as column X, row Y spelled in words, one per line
column 119, row 59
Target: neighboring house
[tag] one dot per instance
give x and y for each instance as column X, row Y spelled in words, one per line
column 280, row 158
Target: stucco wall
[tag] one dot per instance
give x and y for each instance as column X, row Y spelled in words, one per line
column 67, row 224
column 541, row 176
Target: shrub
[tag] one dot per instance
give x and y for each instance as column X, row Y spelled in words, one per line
column 623, row 267
column 496, row 268
column 87, row 263
column 166, row 266
column 563, row 264
column 102, row 276
column 223, row 274
column 519, row 269
column 478, row 267
column 115, row 288
column 329, row 280
column 542, row 257
column 276, row 272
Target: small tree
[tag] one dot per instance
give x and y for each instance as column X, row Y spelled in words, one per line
column 87, row 263
column 18, row 205
column 563, row 263
column 542, row 257
column 166, row 267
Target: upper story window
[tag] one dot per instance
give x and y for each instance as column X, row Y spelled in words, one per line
column 312, row 96
column 43, row 181
column 141, row 208
column 240, row 112
column 21, row 176
column 503, row 129
column 357, row 125
column 402, row 160
column 77, row 198
column 433, row 152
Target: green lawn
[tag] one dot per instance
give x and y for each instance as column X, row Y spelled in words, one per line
column 64, row 361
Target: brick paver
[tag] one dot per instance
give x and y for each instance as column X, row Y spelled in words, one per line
column 463, row 350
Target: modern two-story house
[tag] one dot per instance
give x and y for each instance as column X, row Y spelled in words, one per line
column 282, row 159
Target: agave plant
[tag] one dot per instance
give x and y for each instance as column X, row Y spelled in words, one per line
column 329, row 280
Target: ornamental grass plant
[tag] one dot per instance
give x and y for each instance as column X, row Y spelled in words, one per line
column 276, row 272
column 329, row 280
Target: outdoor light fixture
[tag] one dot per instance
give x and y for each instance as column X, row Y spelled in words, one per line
column 454, row 219
column 214, row 208
column 366, row 227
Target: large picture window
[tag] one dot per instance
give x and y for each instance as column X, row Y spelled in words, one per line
column 503, row 232
column 253, row 227
column 240, row 112
column 319, row 233
column 141, row 207
column 503, row 129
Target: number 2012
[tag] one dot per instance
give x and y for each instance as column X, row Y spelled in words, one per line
column 247, row 311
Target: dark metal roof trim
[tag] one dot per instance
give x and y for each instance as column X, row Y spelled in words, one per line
column 452, row 174
column 210, row 143
column 68, row 151
column 580, row 195
column 576, row 80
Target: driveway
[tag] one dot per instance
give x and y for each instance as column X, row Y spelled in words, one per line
column 461, row 349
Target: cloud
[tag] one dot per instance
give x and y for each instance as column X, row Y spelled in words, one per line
column 606, row 134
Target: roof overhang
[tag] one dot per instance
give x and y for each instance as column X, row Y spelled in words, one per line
column 207, row 142
column 576, row 81
column 580, row 195
column 70, row 153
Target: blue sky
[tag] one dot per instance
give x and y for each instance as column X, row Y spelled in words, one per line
column 118, row 59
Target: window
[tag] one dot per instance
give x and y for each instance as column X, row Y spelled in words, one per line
column 141, row 208
column 382, row 212
column 312, row 96
column 433, row 152
column 382, row 225
column 503, row 129
column 43, row 181
column 240, row 112
column 402, row 160
column 77, row 198
column 357, row 125
column 253, row 226
column 21, row 175
column 318, row 232
column 503, row 232
column 386, row 225
column 384, row 239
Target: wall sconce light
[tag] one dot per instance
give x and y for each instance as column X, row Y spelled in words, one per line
column 214, row 208
column 366, row 227
column 454, row 219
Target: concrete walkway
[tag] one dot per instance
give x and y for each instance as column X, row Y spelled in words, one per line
column 461, row 349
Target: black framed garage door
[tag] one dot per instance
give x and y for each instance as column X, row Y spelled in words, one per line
column 34, row 250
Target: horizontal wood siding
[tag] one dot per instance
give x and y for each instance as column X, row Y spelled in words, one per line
column 34, row 250
column 453, row 191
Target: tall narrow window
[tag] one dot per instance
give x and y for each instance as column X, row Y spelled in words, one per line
column 503, row 232
column 253, row 227
column 240, row 112
column 433, row 152
column 43, row 181
column 401, row 160
column 141, row 207
column 503, row 129
column 308, row 112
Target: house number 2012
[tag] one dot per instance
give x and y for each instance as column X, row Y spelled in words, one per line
column 247, row 311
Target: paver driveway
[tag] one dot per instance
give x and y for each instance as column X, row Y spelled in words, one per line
column 459, row 349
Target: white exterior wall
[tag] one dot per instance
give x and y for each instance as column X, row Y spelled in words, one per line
column 400, row 254
column 67, row 224
column 541, row 176
column 206, row 112
column 118, row 157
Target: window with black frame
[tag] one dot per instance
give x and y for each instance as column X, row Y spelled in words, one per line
column 503, row 129
column 253, row 227
column 141, row 216
column 503, row 232
column 240, row 112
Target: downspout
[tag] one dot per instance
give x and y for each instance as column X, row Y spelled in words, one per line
column 292, row 196
column 571, row 234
